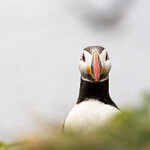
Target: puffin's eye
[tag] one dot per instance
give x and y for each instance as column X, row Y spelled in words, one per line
column 107, row 57
column 83, row 57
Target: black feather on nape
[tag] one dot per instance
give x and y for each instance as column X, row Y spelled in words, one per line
column 98, row 91
column 91, row 49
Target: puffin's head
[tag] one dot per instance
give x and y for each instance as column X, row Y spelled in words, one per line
column 94, row 64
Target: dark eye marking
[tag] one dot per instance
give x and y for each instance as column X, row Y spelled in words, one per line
column 83, row 57
column 107, row 57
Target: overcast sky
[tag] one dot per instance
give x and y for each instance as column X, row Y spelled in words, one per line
column 40, row 46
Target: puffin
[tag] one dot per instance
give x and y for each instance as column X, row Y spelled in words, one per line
column 94, row 105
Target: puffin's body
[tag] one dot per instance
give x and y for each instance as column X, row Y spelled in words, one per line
column 94, row 105
column 88, row 115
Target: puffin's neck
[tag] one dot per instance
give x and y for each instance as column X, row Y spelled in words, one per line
column 98, row 91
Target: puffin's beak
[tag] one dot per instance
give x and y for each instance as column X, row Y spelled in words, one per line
column 96, row 66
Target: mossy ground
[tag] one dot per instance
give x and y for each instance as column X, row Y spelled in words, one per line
column 129, row 130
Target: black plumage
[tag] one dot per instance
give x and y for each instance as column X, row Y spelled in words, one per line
column 91, row 49
column 95, row 90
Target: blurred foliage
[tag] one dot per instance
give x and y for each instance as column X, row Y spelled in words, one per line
column 4, row 146
column 129, row 130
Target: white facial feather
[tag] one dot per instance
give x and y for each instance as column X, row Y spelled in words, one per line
column 83, row 66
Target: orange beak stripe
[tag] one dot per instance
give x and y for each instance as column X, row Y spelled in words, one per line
column 96, row 67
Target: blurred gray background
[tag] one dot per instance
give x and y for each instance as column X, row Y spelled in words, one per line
column 40, row 46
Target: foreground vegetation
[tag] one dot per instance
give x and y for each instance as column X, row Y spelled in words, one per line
column 129, row 130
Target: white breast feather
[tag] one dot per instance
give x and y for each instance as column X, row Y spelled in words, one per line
column 88, row 115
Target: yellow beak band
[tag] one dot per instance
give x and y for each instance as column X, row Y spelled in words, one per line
column 102, row 71
column 90, row 71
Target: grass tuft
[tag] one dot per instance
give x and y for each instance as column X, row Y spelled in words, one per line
column 129, row 130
